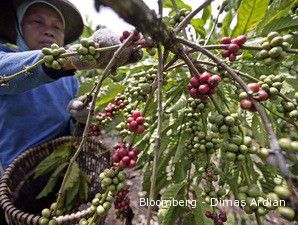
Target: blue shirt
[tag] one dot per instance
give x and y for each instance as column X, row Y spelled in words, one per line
column 33, row 108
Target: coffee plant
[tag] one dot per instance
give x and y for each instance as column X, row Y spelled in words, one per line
column 211, row 117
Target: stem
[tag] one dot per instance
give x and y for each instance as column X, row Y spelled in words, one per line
column 159, row 2
column 159, row 129
column 281, row 117
column 105, row 73
column 258, row 218
column 213, row 26
column 187, row 19
column 188, row 183
column 26, row 70
column 94, row 217
column 272, row 137
column 215, row 104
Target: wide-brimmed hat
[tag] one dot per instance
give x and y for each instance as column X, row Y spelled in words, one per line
column 73, row 20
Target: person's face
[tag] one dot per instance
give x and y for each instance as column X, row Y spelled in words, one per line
column 42, row 27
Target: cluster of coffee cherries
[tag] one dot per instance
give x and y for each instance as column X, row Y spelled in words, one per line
column 94, row 130
column 203, row 142
column 121, row 203
column 258, row 94
column 126, row 34
column 288, row 145
column 196, row 105
column 87, row 51
column 138, row 89
column 101, row 205
column 47, row 214
column 272, row 84
column 282, row 192
column 251, row 195
column 211, row 174
column 112, row 179
column 111, row 110
column 179, row 17
column 219, row 219
column 135, row 123
column 201, row 86
column 233, row 46
column 274, row 47
column 237, row 147
column 52, row 57
column 124, row 157
column 290, row 109
column 225, row 122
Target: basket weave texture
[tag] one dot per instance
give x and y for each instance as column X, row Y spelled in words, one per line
column 93, row 159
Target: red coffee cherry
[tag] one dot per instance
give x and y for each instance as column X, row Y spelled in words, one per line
column 263, row 95
column 233, row 48
column 232, row 57
column 208, row 214
column 255, row 87
column 204, row 77
column 225, row 40
column 225, row 53
column 194, row 81
column 246, row 104
column 204, row 89
column 240, row 40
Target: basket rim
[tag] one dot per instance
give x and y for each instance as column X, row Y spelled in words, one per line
column 5, row 195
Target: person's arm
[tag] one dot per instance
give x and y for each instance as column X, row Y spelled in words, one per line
column 12, row 62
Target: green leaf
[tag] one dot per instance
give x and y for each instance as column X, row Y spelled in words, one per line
column 198, row 211
column 172, row 191
column 181, row 147
column 70, row 194
column 249, row 15
column 277, row 9
column 58, row 156
column 176, row 192
column 198, row 25
column 108, row 93
column 206, row 13
column 52, row 181
column 286, row 23
column 180, row 104
column 84, row 183
column 73, row 177
column 172, row 214
column 226, row 30
column 259, row 131
column 180, row 4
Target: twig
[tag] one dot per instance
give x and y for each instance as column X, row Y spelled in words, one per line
column 187, row 19
column 215, row 104
column 159, row 129
column 214, row 25
column 159, row 2
column 27, row 69
column 281, row 117
column 272, row 137
column 85, row 134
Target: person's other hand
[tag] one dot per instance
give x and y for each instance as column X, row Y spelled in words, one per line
column 105, row 38
column 77, row 110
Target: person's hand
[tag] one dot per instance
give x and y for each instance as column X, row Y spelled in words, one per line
column 77, row 110
column 105, row 38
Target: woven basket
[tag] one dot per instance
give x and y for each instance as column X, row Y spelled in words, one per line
column 18, row 179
